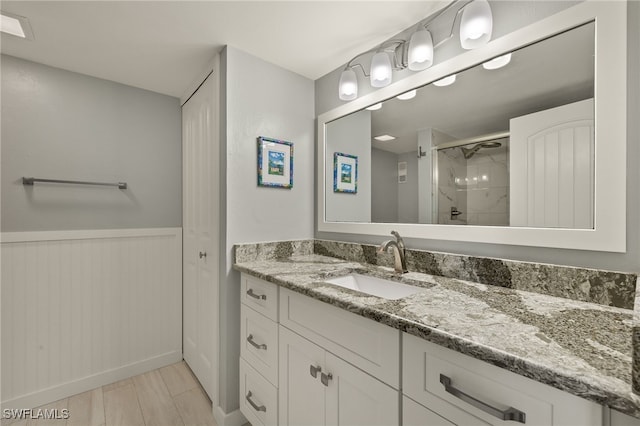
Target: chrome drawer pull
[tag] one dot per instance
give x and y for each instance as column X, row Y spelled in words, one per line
column 254, row 344
column 324, row 378
column 256, row 296
column 508, row 414
column 254, row 405
column 313, row 370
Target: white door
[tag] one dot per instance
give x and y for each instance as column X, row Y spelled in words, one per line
column 200, row 151
column 552, row 167
column 302, row 396
column 355, row 398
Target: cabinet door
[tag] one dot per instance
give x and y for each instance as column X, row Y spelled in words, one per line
column 355, row 398
column 301, row 396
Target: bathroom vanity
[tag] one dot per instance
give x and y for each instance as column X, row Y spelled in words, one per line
column 454, row 352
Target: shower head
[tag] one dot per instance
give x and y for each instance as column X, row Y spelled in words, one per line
column 468, row 152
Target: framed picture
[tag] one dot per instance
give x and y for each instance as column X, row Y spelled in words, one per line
column 275, row 163
column 345, row 173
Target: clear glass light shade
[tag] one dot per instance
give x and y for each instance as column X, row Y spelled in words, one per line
column 476, row 24
column 445, row 81
column 420, row 50
column 11, row 26
column 380, row 70
column 348, row 86
column 498, row 62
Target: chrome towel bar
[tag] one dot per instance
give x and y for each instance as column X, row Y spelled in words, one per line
column 32, row 180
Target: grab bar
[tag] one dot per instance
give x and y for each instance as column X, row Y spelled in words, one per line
column 32, row 180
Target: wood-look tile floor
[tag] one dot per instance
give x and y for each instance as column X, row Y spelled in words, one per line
column 169, row 396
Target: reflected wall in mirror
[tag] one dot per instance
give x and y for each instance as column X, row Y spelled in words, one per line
column 507, row 143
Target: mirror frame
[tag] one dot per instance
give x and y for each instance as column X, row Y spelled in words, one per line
column 610, row 86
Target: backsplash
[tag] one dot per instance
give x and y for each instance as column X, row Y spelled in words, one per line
column 589, row 285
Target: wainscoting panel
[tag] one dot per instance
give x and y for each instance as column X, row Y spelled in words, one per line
column 81, row 309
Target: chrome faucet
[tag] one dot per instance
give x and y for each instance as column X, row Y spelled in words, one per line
column 400, row 264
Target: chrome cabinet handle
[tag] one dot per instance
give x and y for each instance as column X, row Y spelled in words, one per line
column 256, row 296
column 202, row 254
column 508, row 414
column 254, row 344
column 324, row 378
column 254, row 405
column 313, row 370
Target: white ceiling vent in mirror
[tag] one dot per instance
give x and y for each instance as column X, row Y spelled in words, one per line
column 602, row 229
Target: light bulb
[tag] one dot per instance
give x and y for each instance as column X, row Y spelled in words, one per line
column 380, row 70
column 348, row 86
column 445, row 81
column 420, row 50
column 407, row 95
column 498, row 62
column 476, row 24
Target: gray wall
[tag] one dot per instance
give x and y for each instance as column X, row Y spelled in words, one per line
column 384, row 186
column 350, row 135
column 509, row 16
column 408, row 191
column 63, row 125
column 259, row 99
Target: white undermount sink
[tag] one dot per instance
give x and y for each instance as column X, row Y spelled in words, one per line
column 376, row 286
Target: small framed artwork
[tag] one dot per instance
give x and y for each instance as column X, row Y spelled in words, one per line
column 275, row 163
column 345, row 173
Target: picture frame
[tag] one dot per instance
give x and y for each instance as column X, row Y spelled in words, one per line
column 345, row 173
column 275, row 163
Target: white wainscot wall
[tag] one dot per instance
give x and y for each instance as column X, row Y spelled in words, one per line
column 81, row 309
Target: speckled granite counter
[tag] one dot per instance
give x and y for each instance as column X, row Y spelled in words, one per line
column 579, row 347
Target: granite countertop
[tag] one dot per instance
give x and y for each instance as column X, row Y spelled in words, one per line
column 579, row 347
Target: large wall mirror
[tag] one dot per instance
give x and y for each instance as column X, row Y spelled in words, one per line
column 520, row 142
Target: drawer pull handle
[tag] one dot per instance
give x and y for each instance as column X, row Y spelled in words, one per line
column 508, row 414
column 256, row 296
column 254, row 405
column 313, row 370
column 324, row 378
column 254, row 344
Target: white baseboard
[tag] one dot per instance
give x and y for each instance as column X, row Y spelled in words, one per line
column 84, row 384
column 234, row 418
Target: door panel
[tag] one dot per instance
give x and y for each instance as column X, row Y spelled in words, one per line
column 201, row 233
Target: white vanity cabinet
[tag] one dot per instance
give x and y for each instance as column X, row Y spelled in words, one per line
column 259, row 351
column 328, row 360
column 466, row 391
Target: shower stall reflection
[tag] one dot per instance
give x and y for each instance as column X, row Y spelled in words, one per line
column 471, row 183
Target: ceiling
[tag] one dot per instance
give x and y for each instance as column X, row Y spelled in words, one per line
column 553, row 72
column 163, row 46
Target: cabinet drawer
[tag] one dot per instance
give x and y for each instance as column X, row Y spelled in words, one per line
column 259, row 343
column 260, row 295
column 414, row 414
column 370, row 346
column 258, row 397
column 426, row 364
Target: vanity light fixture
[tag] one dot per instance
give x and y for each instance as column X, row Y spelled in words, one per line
column 476, row 24
column 407, row 95
column 15, row 25
column 445, row 81
column 417, row 54
column 420, row 50
column 384, row 138
column 498, row 62
column 348, row 85
column 380, row 70
column 375, row 107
